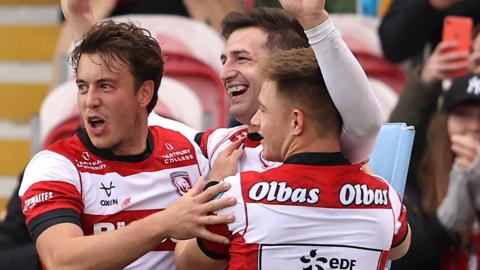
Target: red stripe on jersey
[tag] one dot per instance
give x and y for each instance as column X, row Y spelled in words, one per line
column 46, row 196
column 217, row 248
column 400, row 236
column 325, row 186
column 204, row 141
column 96, row 224
column 243, row 256
column 171, row 150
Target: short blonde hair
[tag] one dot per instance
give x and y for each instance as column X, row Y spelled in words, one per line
column 299, row 79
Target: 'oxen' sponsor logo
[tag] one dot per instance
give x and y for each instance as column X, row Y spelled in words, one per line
column 281, row 192
column 360, row 194
column 36, row 199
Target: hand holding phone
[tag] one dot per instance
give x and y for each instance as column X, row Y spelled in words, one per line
column 459, row 30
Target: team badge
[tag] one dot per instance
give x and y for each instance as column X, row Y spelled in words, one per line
column 181, row 181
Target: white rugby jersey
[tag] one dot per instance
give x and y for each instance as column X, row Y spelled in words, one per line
column 72, row 181
column 313, row 212
column 214, row 141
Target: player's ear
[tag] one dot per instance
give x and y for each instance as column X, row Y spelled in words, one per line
column 297, row 121
column 145, row 93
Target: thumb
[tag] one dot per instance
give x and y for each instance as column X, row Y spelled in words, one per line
column 237, row 154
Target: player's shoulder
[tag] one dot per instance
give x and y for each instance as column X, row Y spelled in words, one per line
column 156, row 121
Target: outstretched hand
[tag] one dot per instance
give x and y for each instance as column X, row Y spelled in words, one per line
column 188, row 217
column 309, row 13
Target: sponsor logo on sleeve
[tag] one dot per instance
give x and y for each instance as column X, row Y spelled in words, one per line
column 36, row 199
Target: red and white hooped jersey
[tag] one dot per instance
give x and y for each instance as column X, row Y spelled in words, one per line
column 72, row 181
column 214, row 141
column 314, row 212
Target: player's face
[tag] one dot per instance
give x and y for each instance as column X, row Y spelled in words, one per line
column 273, row 121
column 464, row 120
column 109, row 105
column 244, row 50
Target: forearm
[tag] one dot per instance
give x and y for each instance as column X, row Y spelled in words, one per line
column 61, row 248
column 350, row 91
column 189, row 256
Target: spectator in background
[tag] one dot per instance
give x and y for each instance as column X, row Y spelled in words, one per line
column 409, row 25
column 436, row 194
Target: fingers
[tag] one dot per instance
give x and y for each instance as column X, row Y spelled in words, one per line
column 213, row 191
column 198, row 188
column 207, row 235
column 233, row 146
column 215, row 205
column 216, row 220
column 465, row 148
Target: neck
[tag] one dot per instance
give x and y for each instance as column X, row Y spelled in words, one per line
column 137, row 142
column 330, row 144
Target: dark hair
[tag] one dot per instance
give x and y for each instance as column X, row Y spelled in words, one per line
column 127, row 43
column 284, row 31
column 299, row 79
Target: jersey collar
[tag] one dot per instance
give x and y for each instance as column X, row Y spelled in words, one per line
column 109, row 155
column 321, row 159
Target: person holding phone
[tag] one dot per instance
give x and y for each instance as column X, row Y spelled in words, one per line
column 436, row 195
column 410, row 25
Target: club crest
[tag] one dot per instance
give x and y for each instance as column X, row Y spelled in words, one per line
column 181, row 181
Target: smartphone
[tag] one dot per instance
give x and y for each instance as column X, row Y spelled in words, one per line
column 459, row 29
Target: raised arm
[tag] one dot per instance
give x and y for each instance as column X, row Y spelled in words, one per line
column 345, row 79
column 80, row 15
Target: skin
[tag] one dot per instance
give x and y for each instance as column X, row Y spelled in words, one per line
column 463, row 126
column 101, row 87
column 244, row 50
column 442, row 61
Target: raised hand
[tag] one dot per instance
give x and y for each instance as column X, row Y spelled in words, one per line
column 188, row 217
column 76, row 9
column 309, row 13
column 441, row 62
column 465, row 148
column 226, row 164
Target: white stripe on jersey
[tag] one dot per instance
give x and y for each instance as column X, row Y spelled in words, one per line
column 142, row 190
column 49, row 166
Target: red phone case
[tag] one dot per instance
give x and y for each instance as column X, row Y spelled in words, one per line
column 456, row 28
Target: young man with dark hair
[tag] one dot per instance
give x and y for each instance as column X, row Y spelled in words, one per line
column 118, row 193
column 316, row 210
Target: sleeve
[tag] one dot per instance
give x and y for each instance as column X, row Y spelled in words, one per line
column 218, row 251
column 430, row 241
column 50, row 192
column 456, row 208
column 350, row 91
column 407, row 27
column 201, row 139
column 400, row 216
